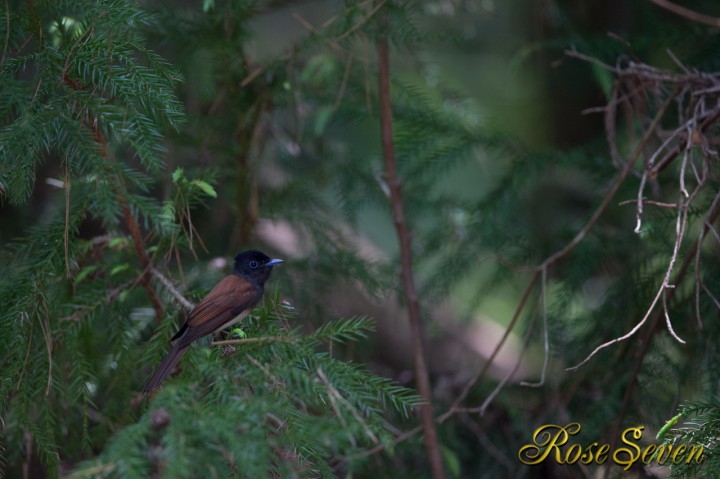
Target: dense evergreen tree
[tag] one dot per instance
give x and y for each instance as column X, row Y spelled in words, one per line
column 138, row 141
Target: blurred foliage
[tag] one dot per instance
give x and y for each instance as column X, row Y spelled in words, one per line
column 217, row 126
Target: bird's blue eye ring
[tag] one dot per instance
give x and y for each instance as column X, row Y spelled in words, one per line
column 253, row 264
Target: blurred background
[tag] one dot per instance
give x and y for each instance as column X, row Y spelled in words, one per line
column 272, row 142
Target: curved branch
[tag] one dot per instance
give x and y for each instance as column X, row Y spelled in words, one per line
column 687, row 13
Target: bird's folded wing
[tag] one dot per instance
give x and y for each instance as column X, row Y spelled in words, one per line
column 227, row 299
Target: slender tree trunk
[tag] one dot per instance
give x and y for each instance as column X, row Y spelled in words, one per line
column 398, row 212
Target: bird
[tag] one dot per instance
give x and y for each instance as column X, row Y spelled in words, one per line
column 226, row 304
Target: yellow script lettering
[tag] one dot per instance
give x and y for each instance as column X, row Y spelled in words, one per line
column 630, row 458
column 546, row 439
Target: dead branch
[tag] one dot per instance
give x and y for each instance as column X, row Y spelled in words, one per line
column 687, row 13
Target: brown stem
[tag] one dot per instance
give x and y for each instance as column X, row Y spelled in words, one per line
column 614, row 188
column 470, row 384
column 655, row 322
column 129, row 218
column 687, row 13
column 388, row 148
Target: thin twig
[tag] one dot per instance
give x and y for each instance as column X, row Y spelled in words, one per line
column 67, row 219
column 645, row 342
column 668, row 322
column 613, row 188
column 677, row 61
column 470, row 384
column 45, row 327
column 712, row 297
column 343, row 85
column 616, row 186
column 101, row 470
column 169, row 286
column 707, row 226
column 108, row 298
column 487, row 443
column 491, row 397
column 650, row 202
column 698, row 282
column 381, row 447
column 576, row 54
column 661, row 291
column 334, row 45
column 253, row 75
column 353, row 410
column 543, row 298
column 411, row 299
column 687, row 13
column 715, row 233
column 266, row 339
column 24, row 316
column 7, row 31
column 362, row 21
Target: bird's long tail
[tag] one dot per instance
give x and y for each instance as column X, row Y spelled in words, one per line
column 165, row 368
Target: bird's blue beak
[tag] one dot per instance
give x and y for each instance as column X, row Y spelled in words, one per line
column 273, row 262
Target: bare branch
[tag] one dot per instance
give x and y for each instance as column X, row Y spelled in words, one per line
column 266, row 339
column 468, row 387
column 687, row 13
column 423, row 381
column 576, row 54
column 680, row 226
column 169, row 286
column 481, row 410
column 613, row 188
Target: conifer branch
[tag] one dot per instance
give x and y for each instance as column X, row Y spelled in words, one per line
column 130, row 222
column 334, row 393
column 398, row 212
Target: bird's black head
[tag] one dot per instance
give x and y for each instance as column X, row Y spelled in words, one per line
column 255, row 266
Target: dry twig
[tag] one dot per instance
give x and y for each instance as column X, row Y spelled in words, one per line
column 687, row 13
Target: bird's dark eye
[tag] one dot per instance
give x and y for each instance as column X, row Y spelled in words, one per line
column 253, row 264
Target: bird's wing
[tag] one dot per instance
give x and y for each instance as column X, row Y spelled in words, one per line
column 230, row 297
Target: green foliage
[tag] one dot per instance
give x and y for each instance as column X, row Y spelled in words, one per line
column 86, row 101
column 257, row 408
column 114, row 156
column 81, row 93
column 699, row 427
